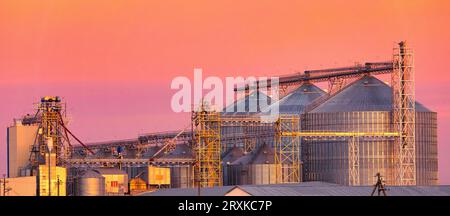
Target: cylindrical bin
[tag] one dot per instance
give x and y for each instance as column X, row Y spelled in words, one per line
column 90, row 184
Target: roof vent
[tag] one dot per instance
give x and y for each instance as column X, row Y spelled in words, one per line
column 366, row 82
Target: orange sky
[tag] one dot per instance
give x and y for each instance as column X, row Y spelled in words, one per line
column 98, row 54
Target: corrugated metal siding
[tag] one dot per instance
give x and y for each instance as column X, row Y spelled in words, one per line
column 254, row 174
column 255, row 168
column 426, row 148
column 181, row 176
column 250, row 104
column 327, row 160
column 296, row 101
column 232, row 135
column 365, row 94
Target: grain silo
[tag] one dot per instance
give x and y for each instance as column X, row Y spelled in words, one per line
column 364, row 106
column 238, row 134
column 256, row 167
column 229, row 157
column 181, row 174
column 250, row 104
column 91, row 183
column 296, row 101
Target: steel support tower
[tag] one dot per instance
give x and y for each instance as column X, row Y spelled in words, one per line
column 287, row 149
column 51, row 111
column 403, row 99
column 206, row 127
column 50, row 114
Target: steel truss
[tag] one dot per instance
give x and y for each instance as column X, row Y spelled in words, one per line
column 126, row 162
column 52, row 129
column 249, row 131
column 287, row 149
column 51, row 111
column 404, row 114
column 206, row 126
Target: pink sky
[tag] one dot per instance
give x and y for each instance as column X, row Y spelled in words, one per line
column 113, row 61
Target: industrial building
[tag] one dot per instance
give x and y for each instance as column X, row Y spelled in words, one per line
column 358, row 130
column 20, row 138
column 18, row 186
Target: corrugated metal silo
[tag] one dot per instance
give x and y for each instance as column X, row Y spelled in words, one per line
column 251, row 104
column 92, row 183
column 229, row 157
column 296, row 101
column 257, row 167
column 181, row 174
column 364, row 106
